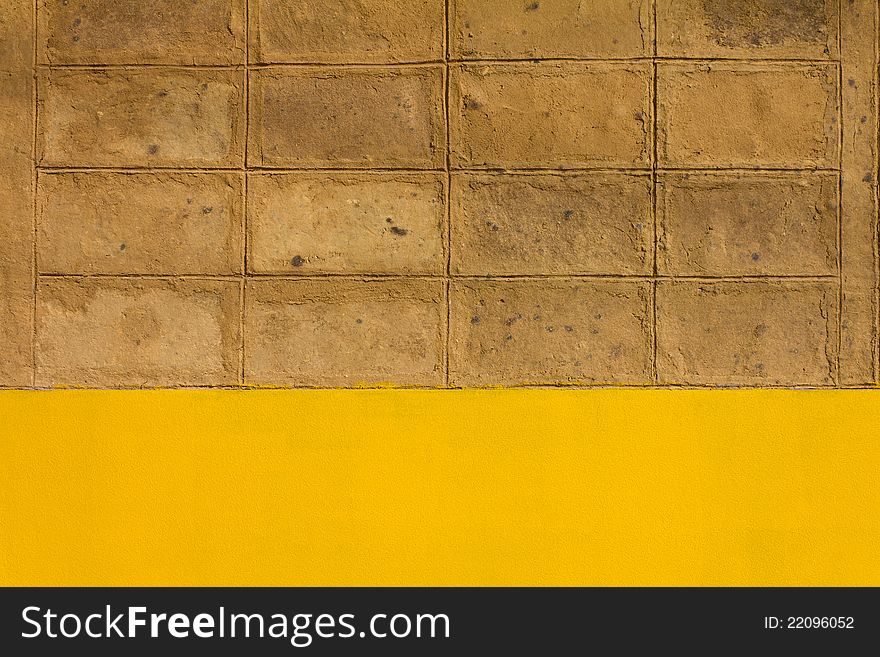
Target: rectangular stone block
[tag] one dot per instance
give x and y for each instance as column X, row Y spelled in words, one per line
column 379, row 223
column 583, row 223
column 138, row 32
column 344, row 332
column 367, row 31
column 750, row 334
column 106, row 332
column 805, row 29
column 747, row 225
column 140, row 223
column 347, row 118
column 16, row 194
column 501, row 29
column 153, row 117
column 550, row 332
column 747, row 115
column 550, row 115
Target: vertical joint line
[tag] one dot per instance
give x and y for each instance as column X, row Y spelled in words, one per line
column 875, row 190
column 841, row 136
column 245, row 246
column 656, row 236
column 34, row 183
column 448, row 194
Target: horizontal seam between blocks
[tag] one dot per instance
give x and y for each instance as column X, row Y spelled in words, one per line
column 256, row 387
column 488, row 170
column 256, row 66
column 443, row 277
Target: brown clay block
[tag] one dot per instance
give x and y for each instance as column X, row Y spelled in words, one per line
column 16, row 194
column 108, row 332
column 359, row 118
column 505, row 29
column 756, row 333
column 149, row 117
column 344, row 333
column 367, row 31
column 306, row 223
column 747, row 115
column 550, row 115
column 551, row 224
column 747, row 28
column 741, row 225
column 138, row 32
column 550, row 332
column 140, row 223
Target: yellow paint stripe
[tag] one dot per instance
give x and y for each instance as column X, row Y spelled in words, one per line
column 395, row 487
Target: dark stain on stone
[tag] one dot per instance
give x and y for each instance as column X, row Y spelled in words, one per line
column 757, row 23
column 869, row 177
column 358, row 321
column 75, row 38
column 533, row 6
column 568, row 214
column 471, row 104
column 207, row 210
column 475, row 319
column 297, row 261
column 851, row 83
column 389, row 220
column 400, row 232
column 492, row 226
column 756, row 257
column 122, row 247
column 77, row 22
column 153, row 149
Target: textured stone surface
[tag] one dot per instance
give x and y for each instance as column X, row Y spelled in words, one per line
column 146, row 117
column 372, row 223
column 683, row 192
column 549, row 332
column 757, row 333
column 747, row 115
column 747, row 28
column 124, row 332
column 551, row 224
column 488, row 29
column 550, row 115
column 344, row 333
column 745, row 225
column 313, row 117
column 347, row 31
column 16, row 194
column 138, row 32
column 140, row 223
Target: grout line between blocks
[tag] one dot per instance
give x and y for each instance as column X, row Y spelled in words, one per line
column 875, row 192
column 448, row 195
column 35, row 183
column 840, row 114
column 489, row 171
column 875, row 107
column 380, row 276
column 245, row 238
column 654, row 164
column 427, row 63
